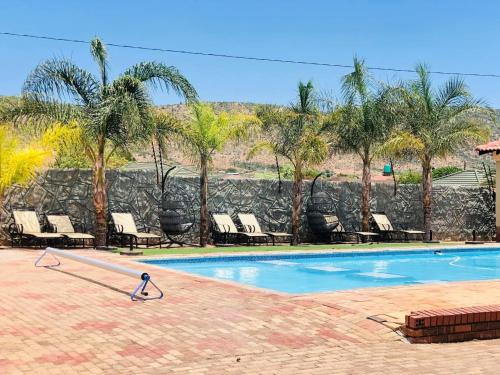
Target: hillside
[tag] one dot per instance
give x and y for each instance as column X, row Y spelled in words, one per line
column 343, row 166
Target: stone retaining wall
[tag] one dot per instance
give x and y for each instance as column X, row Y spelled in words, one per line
column 457, row 211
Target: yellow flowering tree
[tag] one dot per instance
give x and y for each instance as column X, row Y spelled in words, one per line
column 21, row 158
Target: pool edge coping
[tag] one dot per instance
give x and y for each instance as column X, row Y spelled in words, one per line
column 303, row 253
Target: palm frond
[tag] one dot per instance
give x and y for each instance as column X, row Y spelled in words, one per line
column 100, row 55
column 423, row 86
column 260, row 147
column 453, row 93
column 124, row 116
column 40, row 114
column 307, row 101
column 401, row 144
column 457, row 133
column 356, row 85
column 61, row 80
column 159, row 75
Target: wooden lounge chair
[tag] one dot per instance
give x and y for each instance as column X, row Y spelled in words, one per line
column 124, row 227
column 380, row 223
column 251, row 225
column 27, row 227
column 62, row 224
column 224, row 230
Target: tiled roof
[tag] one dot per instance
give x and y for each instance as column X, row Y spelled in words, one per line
column 488, row 147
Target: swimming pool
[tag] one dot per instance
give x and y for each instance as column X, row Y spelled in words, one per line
column 306, row 273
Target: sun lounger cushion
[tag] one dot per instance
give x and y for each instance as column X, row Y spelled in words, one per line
column 28, row 220
column 126, row 223
column 383, row 222
column 43, row 234
column 64, row 226
column 30, row 224
column 62, row 223
column 224, row 223
column 413, row 231
column 250, row 221
column 78, row 236
column 367, row 233
column 142, row 235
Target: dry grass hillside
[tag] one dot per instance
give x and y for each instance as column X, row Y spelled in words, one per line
column 343, row 166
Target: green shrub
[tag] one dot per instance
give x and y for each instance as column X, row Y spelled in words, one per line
column 287, row 172
column 410, row 177
column 444, row 171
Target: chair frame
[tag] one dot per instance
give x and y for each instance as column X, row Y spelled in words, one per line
column 272, row 234
column 337, row 236
column 395, row 234
column 17, row 235
column 116, row 231
column 77, row 227
column 225, row 233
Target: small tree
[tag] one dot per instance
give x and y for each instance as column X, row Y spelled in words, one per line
column 202, row 135
column 365, row 122
column 20, row 160
column 297, row 134
column 112, row 114
column 436, row 124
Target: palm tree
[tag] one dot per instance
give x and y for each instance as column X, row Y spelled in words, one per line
column 202, row 135
column 297, row 134
column 113, row 114
column 365, row 122
column 435, row 124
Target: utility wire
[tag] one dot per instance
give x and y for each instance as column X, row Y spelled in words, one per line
column 252, row 58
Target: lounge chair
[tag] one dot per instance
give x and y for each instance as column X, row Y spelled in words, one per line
column 224, row 230
column 124, row 227
column 62, row 224
column 328, row 228
column 27, row 227
column 340, row 233
column 380, row 223
column 251, row 225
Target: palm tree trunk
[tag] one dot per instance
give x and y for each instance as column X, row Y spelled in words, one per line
column 296, row 204
column 100, row 197
column 204, row 203
column 427, row 195
column 366, row 182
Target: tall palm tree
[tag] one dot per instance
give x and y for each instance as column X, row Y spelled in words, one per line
column 365, row 122
column 202, row 135
column 297, row 134
column 113, row 114
column 435, row 124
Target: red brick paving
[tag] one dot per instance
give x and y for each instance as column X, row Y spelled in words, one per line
column 60, row 323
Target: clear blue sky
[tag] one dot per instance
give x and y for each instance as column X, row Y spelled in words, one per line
column 449, row 35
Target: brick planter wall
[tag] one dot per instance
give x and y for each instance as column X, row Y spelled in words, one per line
column 453, row 325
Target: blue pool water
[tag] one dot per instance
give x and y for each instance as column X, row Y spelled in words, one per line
column 305, row 273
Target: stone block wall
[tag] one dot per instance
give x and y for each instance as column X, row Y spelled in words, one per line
column 457, row 211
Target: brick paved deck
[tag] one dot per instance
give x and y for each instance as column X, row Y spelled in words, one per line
column 63, row 322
